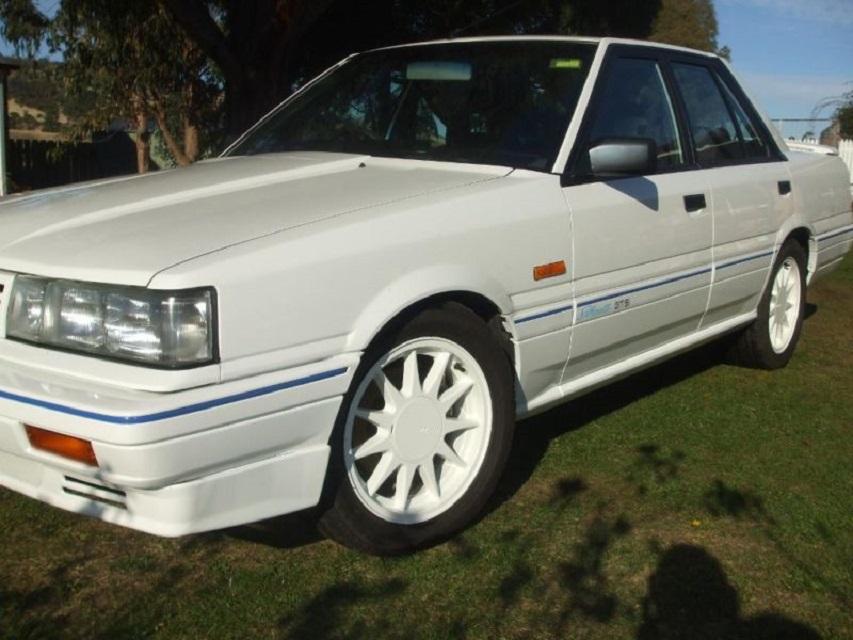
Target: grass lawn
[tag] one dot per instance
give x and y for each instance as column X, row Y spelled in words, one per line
column 694, row 500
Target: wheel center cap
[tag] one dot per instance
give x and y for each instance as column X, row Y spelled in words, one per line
column 418, row 430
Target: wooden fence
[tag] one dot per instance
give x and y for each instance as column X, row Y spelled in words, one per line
column 38, row 164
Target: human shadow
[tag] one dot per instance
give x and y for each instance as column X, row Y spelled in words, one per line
column 690, row 596
column 722, row 500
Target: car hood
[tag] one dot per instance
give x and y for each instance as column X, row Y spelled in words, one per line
column 127, row 230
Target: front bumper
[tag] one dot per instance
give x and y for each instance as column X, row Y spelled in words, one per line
column 178, row 463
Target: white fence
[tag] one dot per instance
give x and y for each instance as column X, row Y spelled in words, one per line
column 845, row 150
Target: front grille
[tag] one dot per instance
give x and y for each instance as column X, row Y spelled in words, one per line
column 109, row 496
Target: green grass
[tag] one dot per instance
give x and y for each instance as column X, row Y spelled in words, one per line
column 693, row 500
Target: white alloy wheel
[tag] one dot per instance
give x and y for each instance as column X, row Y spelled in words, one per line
column 418, row 430
column 784, row 305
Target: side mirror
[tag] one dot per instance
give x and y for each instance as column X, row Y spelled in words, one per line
column 624, row 157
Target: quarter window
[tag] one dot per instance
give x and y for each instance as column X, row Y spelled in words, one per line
column 715, row 134
column 636, row 104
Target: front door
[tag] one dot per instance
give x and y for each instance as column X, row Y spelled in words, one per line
column 642, row 245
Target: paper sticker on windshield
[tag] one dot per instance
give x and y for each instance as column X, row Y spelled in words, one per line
column 566, row 63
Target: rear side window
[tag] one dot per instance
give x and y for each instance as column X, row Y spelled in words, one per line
column 635, row 104
column 715, row 134
column 753, row 145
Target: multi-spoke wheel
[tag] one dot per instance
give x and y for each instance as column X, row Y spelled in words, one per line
column 770, row 341
column 784, row 312
column 423, row 434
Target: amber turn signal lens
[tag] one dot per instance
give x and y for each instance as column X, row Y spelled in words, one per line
column 61, row 445
column 550, row 270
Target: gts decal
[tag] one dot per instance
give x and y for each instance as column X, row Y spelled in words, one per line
column 601, row 309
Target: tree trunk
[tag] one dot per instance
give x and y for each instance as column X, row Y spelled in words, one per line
column 191, row 147
column 252, row 73
column 174, row 148
column 143, row 143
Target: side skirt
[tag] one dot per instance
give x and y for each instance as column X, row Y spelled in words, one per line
column 624, row 368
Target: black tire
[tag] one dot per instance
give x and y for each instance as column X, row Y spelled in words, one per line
column 753, row 346
column 343, row 516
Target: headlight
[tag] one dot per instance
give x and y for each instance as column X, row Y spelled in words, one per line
column 171, row 329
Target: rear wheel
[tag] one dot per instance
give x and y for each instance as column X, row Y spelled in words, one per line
column 422, row 436
column 770, row 341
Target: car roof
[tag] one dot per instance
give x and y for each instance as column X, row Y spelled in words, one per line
column 606, row 41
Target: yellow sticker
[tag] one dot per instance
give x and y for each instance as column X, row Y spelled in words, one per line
column 565, row 63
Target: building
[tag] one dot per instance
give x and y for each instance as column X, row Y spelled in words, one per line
column 6, row 67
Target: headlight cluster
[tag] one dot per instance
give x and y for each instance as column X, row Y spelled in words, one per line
column 161, row 328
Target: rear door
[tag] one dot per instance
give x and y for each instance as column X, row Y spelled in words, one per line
column 642, row 245
column 751, row 189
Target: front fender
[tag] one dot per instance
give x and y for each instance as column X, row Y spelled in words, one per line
column 412, row 288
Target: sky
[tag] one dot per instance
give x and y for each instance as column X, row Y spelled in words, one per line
column 790, row 54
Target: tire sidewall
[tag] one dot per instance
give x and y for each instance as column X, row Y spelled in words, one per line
column 343, row 511
column 773, row 359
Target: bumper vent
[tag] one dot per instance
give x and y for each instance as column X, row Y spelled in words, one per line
column 96, row 492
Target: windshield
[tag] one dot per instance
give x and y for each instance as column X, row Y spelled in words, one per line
column 503, row 103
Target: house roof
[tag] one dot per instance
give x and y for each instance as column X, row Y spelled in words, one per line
column 8, row 65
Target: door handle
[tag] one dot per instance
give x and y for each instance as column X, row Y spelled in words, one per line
column 784, row 187
column 695, row 202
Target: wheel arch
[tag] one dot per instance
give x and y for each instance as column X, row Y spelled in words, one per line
column 803, row 233
column 402, row 300
column 807, row 240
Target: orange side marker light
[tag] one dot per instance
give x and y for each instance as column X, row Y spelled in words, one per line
column 550, row 270
column 66, row 446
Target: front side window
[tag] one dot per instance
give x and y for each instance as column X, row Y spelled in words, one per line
column 715, row 135
column 634, row 103
column 503, row 103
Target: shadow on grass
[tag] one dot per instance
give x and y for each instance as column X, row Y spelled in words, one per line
column 290, row 531
column 690, row 596
column 34, row 614
column 532, row 439
column 327, row 614
column 534, row 435
column 724, row 501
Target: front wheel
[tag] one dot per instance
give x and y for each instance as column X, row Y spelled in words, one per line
column 770, row 341
column 422, row 436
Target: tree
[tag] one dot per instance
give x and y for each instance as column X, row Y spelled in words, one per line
column 687, row 23
column 845, row 118
column 135, row 56
column 166, row 59
column 23, row 25
column 127, row 61
column 843, row 112
column 262, row 47
column 252, row 42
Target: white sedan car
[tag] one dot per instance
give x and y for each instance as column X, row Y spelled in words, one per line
column 351, row 307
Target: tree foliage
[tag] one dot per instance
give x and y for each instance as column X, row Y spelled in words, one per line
column 686, row 23
column 842, row 107
column 182, row 63
column 22, row 24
